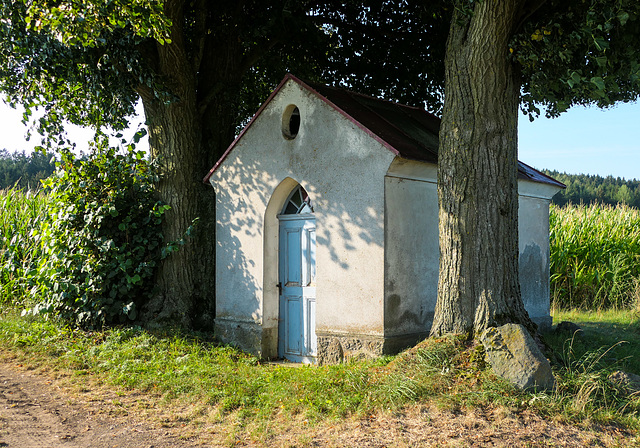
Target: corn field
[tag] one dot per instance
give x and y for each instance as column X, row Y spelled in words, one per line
column 20, row 214
column 595, row 256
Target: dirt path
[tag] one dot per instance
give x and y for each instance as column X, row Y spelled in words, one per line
column 35, row 413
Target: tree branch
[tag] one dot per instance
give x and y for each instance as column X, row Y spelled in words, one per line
column 247, row 61
column 255, row 53
column 215, row 90
column 529, row 8
column 200, row 33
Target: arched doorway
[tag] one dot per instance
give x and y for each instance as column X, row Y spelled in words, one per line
column 297, row 275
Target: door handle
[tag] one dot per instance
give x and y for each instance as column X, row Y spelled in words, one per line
column 279, row 285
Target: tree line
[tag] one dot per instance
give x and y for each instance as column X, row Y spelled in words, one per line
column 25, row 171
column 594, row 189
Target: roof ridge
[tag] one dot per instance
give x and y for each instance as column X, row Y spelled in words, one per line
column 364, row 95
column 361, row 109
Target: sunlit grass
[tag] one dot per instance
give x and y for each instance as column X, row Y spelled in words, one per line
column 448, row 373
column 603, row 329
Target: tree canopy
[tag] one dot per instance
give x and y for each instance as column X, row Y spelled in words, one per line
column 201, row 68
column 578, row 53
column 88, row 63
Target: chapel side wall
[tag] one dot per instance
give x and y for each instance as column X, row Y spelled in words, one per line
column 533, row 229
column 411, row 259
column 342, row 168
column 412, row 251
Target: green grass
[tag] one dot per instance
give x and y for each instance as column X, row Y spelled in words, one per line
column 616, row 329
column 583, row 361
column 192, row 367
column 448, row 373
column 188, row 366
column 595, row 256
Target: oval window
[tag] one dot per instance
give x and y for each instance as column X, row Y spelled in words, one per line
column 291, row 122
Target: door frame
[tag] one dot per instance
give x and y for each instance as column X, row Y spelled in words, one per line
column 271, row 263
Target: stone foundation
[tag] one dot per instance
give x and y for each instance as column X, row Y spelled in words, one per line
column 336, row 349
column 247, row 336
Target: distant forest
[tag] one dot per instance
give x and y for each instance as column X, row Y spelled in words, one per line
column 589, row 189
column 24, row 170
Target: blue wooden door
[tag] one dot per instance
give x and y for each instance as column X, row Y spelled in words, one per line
column 297, row 322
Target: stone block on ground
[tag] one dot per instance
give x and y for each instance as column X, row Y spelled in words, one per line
column 568, row 328
column 630, row 381
column 515, row 356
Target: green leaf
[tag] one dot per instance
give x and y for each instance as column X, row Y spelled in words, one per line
column 601, row 44
column 623, row 17
column 135, row 279
column 598, row 82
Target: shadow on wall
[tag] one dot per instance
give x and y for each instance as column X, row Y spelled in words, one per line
column 239, row 217
column 348, row 207
column 346, row 185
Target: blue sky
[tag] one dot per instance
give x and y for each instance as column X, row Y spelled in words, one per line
column 582, row 140
column 585, row 140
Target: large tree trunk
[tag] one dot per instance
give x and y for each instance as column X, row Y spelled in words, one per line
column 187, row 134
column 175, row 139
column 478, row 285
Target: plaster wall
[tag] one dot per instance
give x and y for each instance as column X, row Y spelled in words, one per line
column 412, row 250
column 342, row 168
column 533, row 220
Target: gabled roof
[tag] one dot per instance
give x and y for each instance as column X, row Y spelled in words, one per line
column 409, row 132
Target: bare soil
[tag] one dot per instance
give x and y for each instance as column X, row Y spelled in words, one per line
column 42, row 409
column 37, row 412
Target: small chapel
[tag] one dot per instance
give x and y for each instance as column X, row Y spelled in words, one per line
column 327, row 227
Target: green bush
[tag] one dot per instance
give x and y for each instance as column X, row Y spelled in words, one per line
column 595, row 256
column 102, row 239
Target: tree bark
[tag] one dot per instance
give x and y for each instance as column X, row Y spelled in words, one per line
column 187, row 134
column 478, row 284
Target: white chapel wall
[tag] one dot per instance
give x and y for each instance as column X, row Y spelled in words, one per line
column 412, row 251
column 342, row 168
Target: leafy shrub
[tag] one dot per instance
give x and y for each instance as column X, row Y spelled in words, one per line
column 102, row 241
column 595, row 256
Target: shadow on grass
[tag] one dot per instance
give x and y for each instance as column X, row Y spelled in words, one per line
column 618, row 331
